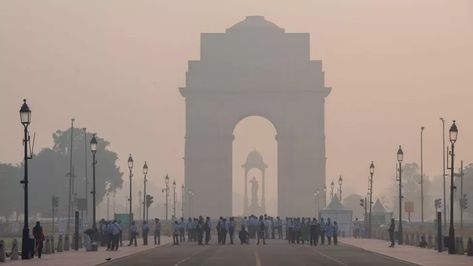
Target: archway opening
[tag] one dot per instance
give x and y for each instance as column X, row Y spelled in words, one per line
column 254, row 154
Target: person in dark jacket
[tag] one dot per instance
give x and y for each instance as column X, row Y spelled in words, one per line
column 391, row 233
column 39, row 238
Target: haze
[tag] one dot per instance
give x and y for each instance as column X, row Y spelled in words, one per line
column 115, row 66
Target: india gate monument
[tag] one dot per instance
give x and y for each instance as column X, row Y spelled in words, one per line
column 255, row 68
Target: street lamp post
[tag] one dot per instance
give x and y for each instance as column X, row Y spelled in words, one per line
column 332, row 185
column 86, row 178
column 422, row 174
column 130, row 166
column 453, row 133
column 93, row 149
column 340, row 180
column 174, row 199
column 371, row 196
column 166, row 180
column 145, row 172
column 400, row 157
column 25, row 118
column 316, row 197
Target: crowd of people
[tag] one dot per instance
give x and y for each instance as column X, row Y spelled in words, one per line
column 296, row 230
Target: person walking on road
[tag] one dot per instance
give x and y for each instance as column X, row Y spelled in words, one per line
column 335, row 233
column 38, row 238
column 207, row 229
column 261, row 231
column 391, row 233
column 175, row 233
column 157, row 232
column 329, row 231
column 116, row 232
column 145, row 231
column 133, row 233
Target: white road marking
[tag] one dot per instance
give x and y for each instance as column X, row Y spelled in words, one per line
column 330, row 258
column 188, row 258
column 258, row 259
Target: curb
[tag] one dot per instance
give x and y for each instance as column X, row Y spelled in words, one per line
column 384, row 255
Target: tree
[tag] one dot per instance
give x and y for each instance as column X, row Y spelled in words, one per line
column 10, row 189
column 49, row 173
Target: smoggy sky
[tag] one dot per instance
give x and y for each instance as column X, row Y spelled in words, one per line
column 115, row 66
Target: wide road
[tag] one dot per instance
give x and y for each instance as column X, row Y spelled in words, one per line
column 276, row 252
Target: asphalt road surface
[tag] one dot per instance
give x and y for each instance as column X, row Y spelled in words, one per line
column 276, row 252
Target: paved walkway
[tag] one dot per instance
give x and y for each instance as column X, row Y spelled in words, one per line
column 421, row 256
column 84, row 258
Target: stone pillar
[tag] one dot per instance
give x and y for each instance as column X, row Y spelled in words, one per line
column 2, row 251
column 14, row 250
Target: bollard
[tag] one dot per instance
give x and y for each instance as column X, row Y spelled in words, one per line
column 14, row 250
column 67, row 245
column 59, row 244
column 459, row 246
column 429, row 242
column 47, row 246
column 52, row 244
column 2, row 251
column 469, row 247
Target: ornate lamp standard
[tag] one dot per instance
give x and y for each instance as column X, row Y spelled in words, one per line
column 453, row 133
column 174, row 198
column 400, row 157
column 316, row 197
column 145, row 172
column 371, row 196
column 340, row 180
column 93, row 149
column 422, row 174
column 332, row 185
column 25, row 119
column 130, row 166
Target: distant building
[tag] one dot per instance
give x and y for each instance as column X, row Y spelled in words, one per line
column 337, row 212
column 379, row 214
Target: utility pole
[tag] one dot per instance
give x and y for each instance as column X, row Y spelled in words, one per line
column 86, row 177
column 421, row 175
column 444, row 177
column 69, row 208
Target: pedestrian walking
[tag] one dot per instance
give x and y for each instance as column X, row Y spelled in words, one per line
column 231, row 229
column 313, row 234
column 391, row 232
column 335, row 233
column 182, row 230
column 145, row 231
column 116, row 232
column 329, row 231
column 207, row 229
column 261, row 231
column 175, row 233
column 200, row 230
column 38, row 238
column 322, row 231
column 133, row 234
column 157, row 232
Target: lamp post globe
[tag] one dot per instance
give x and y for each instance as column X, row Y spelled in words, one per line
column 25, row 114
column 145, row 169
